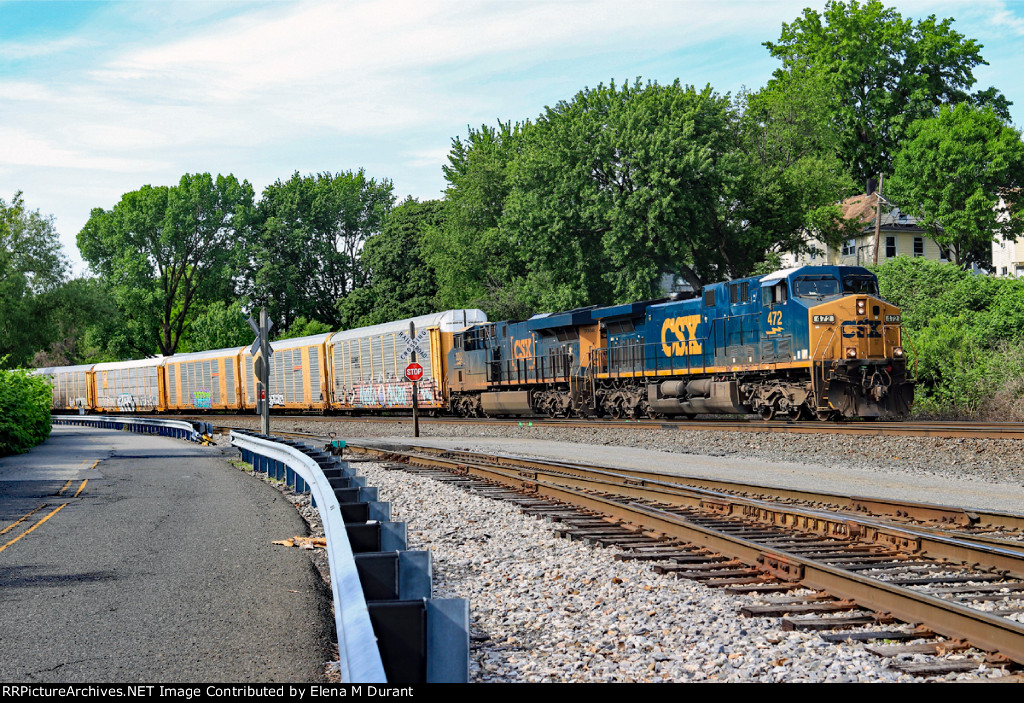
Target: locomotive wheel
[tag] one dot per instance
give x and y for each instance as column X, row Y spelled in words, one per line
column 793, row 414
column 766, row 412
column 823, row 415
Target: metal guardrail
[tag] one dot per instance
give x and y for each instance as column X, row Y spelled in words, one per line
column 389, row 627
column 143, row 425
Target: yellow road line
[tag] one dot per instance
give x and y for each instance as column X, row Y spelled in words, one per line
column 48, row 516
column 22, row 519
column 80, row 488
column 65, row 487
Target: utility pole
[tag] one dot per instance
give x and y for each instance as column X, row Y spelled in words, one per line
column 878, row 215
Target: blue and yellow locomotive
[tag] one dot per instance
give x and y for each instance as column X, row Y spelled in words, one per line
column 810, row 342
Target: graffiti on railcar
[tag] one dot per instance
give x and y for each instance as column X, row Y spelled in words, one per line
column 127, row 403
column 390, row 394
column 202, row 399
column 277, row 399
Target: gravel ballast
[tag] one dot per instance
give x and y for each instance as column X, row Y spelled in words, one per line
column 545, row 609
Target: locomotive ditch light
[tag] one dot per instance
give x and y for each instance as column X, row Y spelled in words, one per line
column 862, row 306
column 897, row 352
column 851, row 352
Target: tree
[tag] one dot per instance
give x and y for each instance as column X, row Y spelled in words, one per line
column 886, row 72
column 962, row 173
column 310, row 231
column 401, row 281
column 84, row 327
column 792, row 177
column 218, row 325
column 617, row 186
column 32, row 267
column 164, row 250
column 475, row 262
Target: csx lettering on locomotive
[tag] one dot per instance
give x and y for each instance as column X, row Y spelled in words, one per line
column 684, row 329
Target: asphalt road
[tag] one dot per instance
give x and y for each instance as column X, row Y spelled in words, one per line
column 157, row 566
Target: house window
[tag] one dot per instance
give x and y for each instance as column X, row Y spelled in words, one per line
column 918, row 246
column 850, row 246
column 890, row 247
column 1003, row 272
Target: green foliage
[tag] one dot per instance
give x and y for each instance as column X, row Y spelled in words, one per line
column 218, row 325
column 32, row 268
column 886, row 72
column 963, row 333
column 962, row 173
column 605, row 193
column 401, row 281
column 301, row 327
column 85, row 326
column 25, row 402
column 163, row 250
column 304, row 254
column 472, row 257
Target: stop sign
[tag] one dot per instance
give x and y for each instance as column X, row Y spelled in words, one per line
column 414, row 371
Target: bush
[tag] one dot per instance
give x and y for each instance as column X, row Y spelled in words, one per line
column 963, row 333
column 24, row 411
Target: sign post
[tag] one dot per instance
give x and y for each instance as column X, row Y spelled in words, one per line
column 261, row 367
column 414, row 377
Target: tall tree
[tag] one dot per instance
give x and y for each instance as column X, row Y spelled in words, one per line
column 309, row 235
column 962, row 173
column 401, row 282
column 163, row 250
column 32, row 268
column 792, row 177
column 887, row 71
column 617, row 186
column 475, row 262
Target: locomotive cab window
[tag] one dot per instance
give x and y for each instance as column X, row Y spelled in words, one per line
column 860, row 284
column 777, row 293
column 815, row 286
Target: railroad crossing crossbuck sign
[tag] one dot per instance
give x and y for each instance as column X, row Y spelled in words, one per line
column 414, row 371
column 412, row 344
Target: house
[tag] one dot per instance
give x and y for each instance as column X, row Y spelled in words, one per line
column 1007, row 256
column 899, row 235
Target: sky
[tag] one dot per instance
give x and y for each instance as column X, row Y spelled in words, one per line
column 98, row 99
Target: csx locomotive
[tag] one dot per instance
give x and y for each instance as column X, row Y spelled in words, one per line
column 810, row 342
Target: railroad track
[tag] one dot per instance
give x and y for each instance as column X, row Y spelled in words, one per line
column 943, row 429
column 956, row 576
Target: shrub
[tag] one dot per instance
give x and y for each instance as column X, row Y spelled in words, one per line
column 963, row 333
column 24, row 411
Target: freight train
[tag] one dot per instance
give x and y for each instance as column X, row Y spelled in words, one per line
column 814, row 342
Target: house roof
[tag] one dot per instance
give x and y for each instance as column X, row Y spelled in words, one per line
column 862, row 209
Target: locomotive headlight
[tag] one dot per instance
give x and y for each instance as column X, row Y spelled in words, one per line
column 862, row 306
column 897, row 352
column 851, row 352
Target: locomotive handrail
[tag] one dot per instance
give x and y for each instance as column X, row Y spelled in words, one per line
column 828, row 347
column 186, row 429
column 360, row 658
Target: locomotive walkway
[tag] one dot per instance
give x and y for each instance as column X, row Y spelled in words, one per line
column 133, row 558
